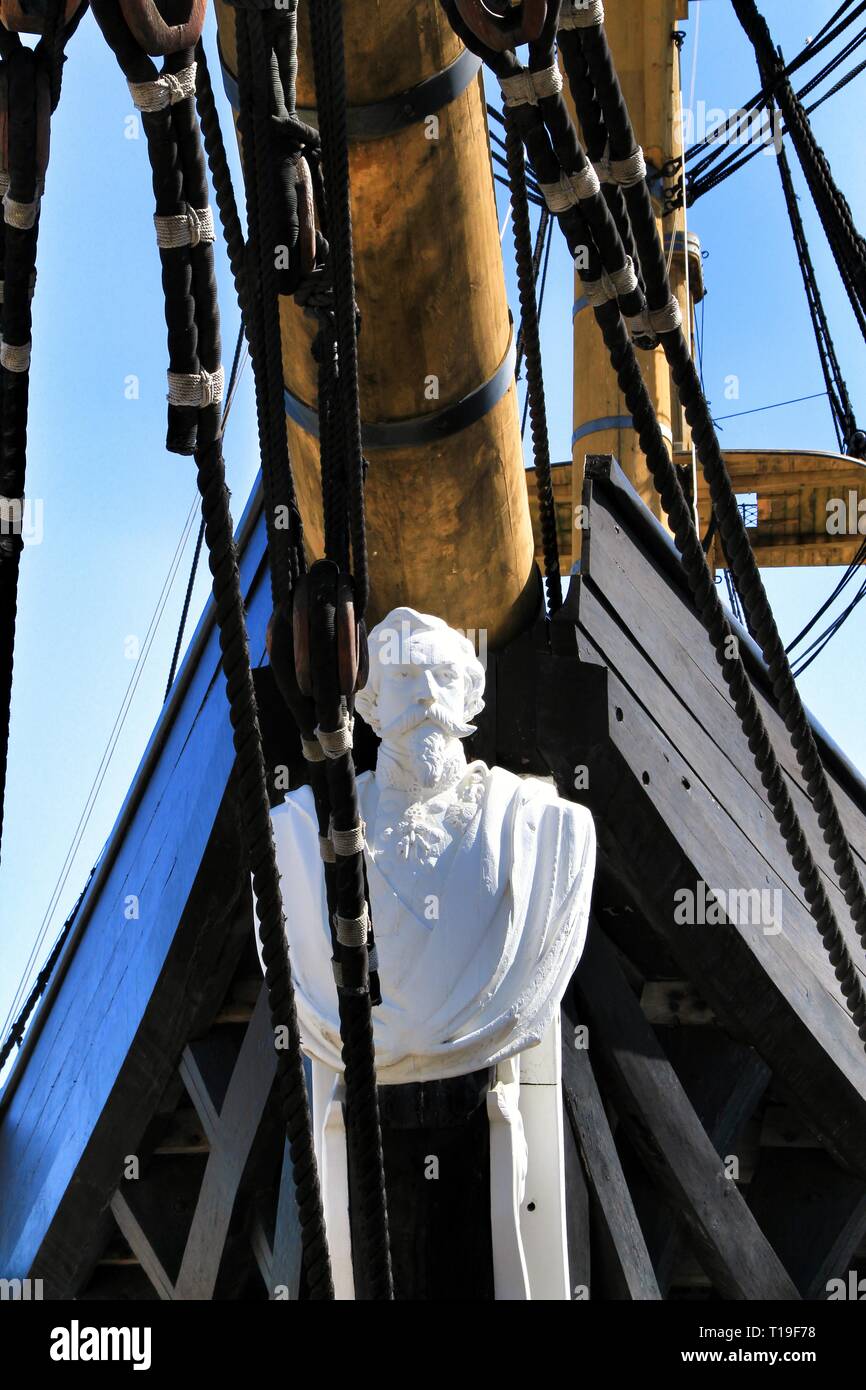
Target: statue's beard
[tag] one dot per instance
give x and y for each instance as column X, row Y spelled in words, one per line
column 422, row 750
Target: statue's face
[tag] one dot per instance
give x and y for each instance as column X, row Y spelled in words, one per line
column 426, row 686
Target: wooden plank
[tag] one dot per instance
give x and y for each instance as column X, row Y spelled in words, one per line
column 655, row 1111
column 239, row 1120
column 633, row 586
column 153, row 1213
column 724, row 1082
column 631, row 1273
column 813, row 1212
column 655, row 837
column 733, row 785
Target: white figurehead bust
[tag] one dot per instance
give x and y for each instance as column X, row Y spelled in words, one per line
column 480, row 885
column 479, row 880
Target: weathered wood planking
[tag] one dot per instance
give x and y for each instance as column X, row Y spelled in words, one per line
column 628, row 1272
column 121, row 1004
column 644, row 602
column 676, row 800
column 661, row 1123
column 724, row 1082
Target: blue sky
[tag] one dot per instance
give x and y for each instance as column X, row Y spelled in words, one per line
column 116, row 505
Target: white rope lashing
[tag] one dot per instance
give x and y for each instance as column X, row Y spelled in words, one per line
column 196, row 389
column 626, row 172
column 352, row 931
column 185, row 229
column 15, row 358
column 525, row 87
column 164, row 91
column 336, row 742
column 615, row 284
column 581, row 14
column 665, row 320
column 570, row 189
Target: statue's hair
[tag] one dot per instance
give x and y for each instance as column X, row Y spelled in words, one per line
column 367, row 700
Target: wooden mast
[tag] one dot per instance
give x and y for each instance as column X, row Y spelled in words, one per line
column 448, row 521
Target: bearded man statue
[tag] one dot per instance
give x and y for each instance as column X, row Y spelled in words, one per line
column 480, row 884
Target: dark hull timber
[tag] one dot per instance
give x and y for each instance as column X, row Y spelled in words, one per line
column 718, row 1050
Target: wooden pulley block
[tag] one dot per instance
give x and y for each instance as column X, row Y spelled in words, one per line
column 164, row 26
column 351, row 637
column 29, row 16
column 301, row 636
column 306, row 216
column 352, row 657
column 502, row 24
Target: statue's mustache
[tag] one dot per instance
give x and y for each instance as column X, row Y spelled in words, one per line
column 416, row 715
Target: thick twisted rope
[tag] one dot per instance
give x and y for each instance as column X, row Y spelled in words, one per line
column 330, row 73
column 22, row 67
column 534, row 371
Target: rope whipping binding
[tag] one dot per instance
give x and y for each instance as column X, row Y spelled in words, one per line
column 166, row 102
column 573, row 190
column 30, row 81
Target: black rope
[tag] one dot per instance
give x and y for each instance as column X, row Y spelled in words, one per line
column 178, row 169
column 848, row 247
column 343, row 471
column 24, row 72
column 845, row 424
column 330, row 75
column 743, row 565
column 15, row 1036
column 531, row 343
column 859, row 559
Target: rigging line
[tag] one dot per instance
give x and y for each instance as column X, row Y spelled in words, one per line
column 776, row 406
column 830, row 22
column 829, row 633
column 704, row 177
column 105, row 761
column 757, row 102
column 238, row 364
column 840, row 403
column 694, row 77
column 547, row 245
column 835, row 62
column 843, row 583
column 15, row 1036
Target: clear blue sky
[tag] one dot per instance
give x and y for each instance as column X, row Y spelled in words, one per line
column 116, row 504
